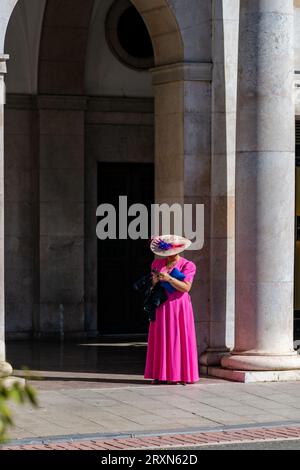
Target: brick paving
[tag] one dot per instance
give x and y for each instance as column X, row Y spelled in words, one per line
column 275, row 433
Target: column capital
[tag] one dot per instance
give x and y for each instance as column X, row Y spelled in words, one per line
column 182, row 71
column 3, row 59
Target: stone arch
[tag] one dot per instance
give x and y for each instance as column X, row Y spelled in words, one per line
column 7, row 7
column 22, row 43
column 64, row 39
column 159, row 19
column 63, row 46
column 163, row 29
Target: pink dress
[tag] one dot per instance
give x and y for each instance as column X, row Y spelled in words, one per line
column 172, row 347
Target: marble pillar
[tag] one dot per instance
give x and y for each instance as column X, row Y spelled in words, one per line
column 5, row 368
column 224, row 41
column 265, row 195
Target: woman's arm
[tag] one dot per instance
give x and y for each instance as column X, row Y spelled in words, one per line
column 181, row 286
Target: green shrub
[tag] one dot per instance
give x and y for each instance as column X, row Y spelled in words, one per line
column 17, row 393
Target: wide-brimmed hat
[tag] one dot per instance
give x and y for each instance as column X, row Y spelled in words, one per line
column 168, row 245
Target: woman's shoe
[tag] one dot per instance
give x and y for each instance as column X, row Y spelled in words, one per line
column 155, row 382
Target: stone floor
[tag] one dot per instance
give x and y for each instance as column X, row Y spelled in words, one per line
column 98, row 389
column 103, row 363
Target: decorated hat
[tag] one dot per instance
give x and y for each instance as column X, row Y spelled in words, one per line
column 168, row 245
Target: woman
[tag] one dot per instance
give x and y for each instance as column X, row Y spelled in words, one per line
column 172, row 348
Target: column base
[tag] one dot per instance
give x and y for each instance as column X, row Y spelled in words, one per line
column 8, row 382
column 212, row 357
column 249, row 368
column 5, row 369
column 261, row 362
column 247, row 376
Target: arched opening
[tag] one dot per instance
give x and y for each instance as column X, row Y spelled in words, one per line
column 79, row 131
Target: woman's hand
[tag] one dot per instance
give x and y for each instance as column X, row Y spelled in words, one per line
column 155, row 278
column 165, row 277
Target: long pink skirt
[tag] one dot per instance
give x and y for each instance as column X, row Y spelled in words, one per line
column 172, row 347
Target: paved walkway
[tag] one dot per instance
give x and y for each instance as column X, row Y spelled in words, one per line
column 152, row 408
column 111, row 400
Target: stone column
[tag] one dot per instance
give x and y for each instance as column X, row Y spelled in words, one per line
column 182, row 160
column 5, row 368
column 224, row 42
column 265, row 196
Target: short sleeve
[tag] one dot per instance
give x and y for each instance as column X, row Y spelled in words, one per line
column 189, row 269
column 155, row 263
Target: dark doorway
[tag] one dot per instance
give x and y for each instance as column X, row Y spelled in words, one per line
column 121, row 262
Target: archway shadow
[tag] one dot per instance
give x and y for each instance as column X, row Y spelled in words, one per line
column 105, row 362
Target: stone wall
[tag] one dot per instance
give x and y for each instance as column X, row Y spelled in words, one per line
column 61, row 214
column 21, row 211
column 105, row 75
column 52, row 146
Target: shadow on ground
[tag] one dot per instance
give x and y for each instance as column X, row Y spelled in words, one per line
column 108, row 362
